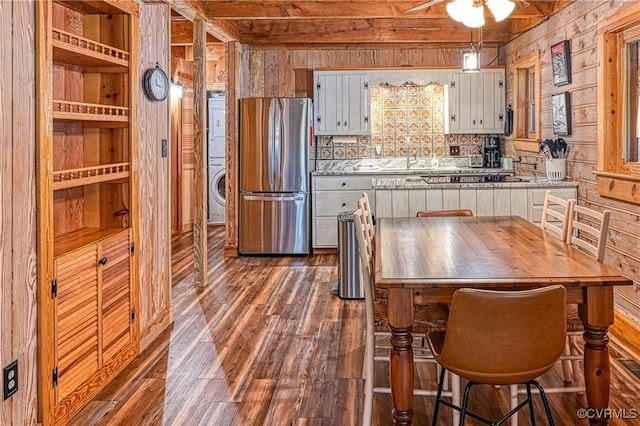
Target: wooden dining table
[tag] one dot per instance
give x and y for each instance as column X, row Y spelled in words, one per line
column 424, row 260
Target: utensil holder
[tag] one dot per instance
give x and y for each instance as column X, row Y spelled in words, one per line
column 556, row 168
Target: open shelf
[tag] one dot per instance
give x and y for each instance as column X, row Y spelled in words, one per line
column 94, row 7
column 81, row 237
column 71, row 178
column 81, row 111
column 73, row 49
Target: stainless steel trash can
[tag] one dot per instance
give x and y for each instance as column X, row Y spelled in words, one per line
column 349, row 270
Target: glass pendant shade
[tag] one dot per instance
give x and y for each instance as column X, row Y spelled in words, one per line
column 457, row 9
column 474, row 17
column 500, row 8
column 471, row 12
column 471, row 61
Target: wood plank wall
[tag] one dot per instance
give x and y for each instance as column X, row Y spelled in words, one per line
column 578, row 23
column 154, row 251
column 18, row 279
column 286, row 73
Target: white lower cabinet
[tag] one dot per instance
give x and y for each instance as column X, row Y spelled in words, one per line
column 335, row 194
column 332, row 195
column 523, row 202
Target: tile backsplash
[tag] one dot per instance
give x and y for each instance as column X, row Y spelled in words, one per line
column 405, row 120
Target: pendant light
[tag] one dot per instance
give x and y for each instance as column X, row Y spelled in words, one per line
column 471, row 59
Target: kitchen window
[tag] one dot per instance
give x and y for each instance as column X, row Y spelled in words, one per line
column 526, row 123
column 619, row 106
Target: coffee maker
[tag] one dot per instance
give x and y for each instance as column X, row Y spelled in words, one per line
column 491, row 156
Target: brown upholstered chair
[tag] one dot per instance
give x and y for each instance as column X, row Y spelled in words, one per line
column 501, row 338
column 444, row 213
column 376, row 324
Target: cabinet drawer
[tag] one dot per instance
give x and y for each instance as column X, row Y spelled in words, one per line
column 331, row 203
column 326, row 232
column 536, row 196
column 332, row 183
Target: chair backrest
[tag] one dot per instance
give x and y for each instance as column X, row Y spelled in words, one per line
column 589, row 230
column 366, row 263
column 556, row 214
column 444, row 213
column 504, row 337
column 367, row 217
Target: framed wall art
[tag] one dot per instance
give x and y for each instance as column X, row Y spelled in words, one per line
column 561, row 63
column 561, row 113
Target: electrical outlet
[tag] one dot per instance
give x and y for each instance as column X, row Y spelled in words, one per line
column 454, row 150
column 10, row 379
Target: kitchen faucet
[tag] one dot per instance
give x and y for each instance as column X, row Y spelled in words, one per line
column 411, row 163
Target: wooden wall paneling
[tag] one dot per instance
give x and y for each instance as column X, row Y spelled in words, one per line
column 200, row 153
column 44, row 135
column 578, row 23
column 271, row 73
column 18, row 311
column 257, row 74
column 154, row 228
column 286, row 75
column 238, row 86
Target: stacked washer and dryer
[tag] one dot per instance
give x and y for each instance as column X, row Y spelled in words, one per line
column 216, row 150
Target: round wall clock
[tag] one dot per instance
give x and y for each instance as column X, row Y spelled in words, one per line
column 155, row 84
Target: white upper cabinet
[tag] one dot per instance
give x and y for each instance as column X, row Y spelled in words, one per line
column 341, row 103
column 476, row 102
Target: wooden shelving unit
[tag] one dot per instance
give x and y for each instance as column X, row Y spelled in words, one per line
column 87, row 89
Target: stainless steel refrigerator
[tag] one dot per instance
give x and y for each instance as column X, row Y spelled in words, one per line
column 274, row 176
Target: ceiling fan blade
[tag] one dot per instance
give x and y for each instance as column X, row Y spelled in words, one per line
column 424, row 5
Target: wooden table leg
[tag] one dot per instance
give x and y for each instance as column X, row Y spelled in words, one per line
column 597, row 314
column 401, row 362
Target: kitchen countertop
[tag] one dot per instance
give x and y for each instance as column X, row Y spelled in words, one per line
column 398, row 166
column 511, row 182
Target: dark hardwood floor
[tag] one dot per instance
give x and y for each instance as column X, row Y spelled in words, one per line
column 266, row 343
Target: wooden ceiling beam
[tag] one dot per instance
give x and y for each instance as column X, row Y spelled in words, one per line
column 224, row 31
column 366, row 31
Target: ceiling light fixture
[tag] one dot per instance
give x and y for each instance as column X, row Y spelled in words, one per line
column 471, row 59
column 471, row 12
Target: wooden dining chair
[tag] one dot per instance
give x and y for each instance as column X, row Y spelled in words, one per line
column 365, row 206
column 444, row 213
column 587, row 229
column 501, row 338
column 555, row 215
column 436, row 321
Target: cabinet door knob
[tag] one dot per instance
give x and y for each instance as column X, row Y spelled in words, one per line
column 344, row 183
column 345, row 124
column 338, row 124
column 103, row 261
column 344, row 204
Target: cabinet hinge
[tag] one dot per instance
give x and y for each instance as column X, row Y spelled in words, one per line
column 133, row 315
column 319, row 119
column 366, row 118
column 453, row 84
column 54, row 377
column 366, row 85
column 500, row 84
column 133, row 247
column 453, row 117
column 500, row 117
column 54, row 288
column 317, row 86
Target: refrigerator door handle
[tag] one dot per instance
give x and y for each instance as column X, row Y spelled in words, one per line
column 278, row 144
column 281, row 198
column 271, row 143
